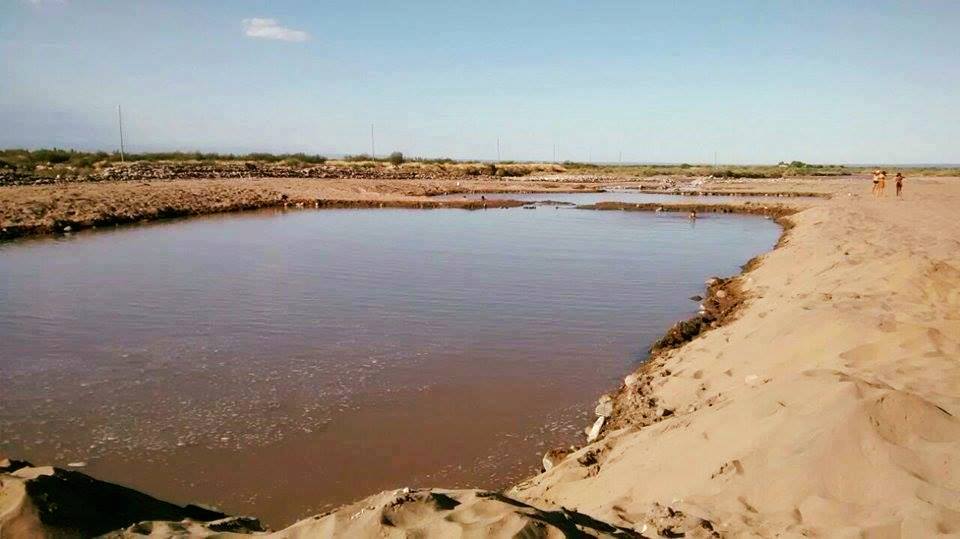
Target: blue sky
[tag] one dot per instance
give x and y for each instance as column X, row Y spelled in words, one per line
column 753, row 81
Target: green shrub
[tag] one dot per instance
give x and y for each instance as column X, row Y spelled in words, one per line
column 433, row 160
column 51, row 157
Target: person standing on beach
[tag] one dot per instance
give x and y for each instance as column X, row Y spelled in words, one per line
column 876, row 182
column 883, row 183
column 899, row 179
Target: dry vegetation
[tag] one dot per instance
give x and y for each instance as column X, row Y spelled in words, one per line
column 47, row 165
column 460, row 168
column 720, row 171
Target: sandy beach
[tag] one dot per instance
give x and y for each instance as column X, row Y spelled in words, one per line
column 825, row 405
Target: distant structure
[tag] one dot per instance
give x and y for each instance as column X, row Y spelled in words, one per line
column 120, row 123
column 373, row 147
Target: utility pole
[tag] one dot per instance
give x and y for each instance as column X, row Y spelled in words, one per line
column 373, row 147
column 120, row 123
column 621, row 157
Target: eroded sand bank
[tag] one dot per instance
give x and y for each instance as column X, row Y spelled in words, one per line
column 828, row 406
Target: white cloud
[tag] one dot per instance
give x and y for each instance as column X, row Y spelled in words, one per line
column 271, row 29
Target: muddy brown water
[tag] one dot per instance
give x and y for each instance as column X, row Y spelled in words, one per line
column 280, row 364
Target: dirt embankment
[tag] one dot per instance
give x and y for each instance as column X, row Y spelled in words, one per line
column 45, row 209
column 69, row 207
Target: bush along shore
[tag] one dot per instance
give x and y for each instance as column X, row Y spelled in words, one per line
column 30, row 173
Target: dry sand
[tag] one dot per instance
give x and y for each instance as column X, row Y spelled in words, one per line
column 828, row 407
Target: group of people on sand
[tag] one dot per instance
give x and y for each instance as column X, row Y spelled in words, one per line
column 880, row 182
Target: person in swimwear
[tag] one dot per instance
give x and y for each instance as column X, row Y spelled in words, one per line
column 876, row 182
column 899, row 179
column 883, row 183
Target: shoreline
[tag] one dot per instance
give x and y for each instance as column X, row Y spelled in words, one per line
column 824, row 404
column 30, row 211
column 723, row 301
column 207, row 519
column 292, row 205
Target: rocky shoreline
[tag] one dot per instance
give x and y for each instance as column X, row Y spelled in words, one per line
column 186, row 170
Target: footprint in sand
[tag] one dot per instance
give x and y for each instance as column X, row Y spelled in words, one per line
column 887, row 323
column 746, row 505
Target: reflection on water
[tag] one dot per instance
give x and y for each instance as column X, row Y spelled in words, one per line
column 278, row 364
column 638, row 197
